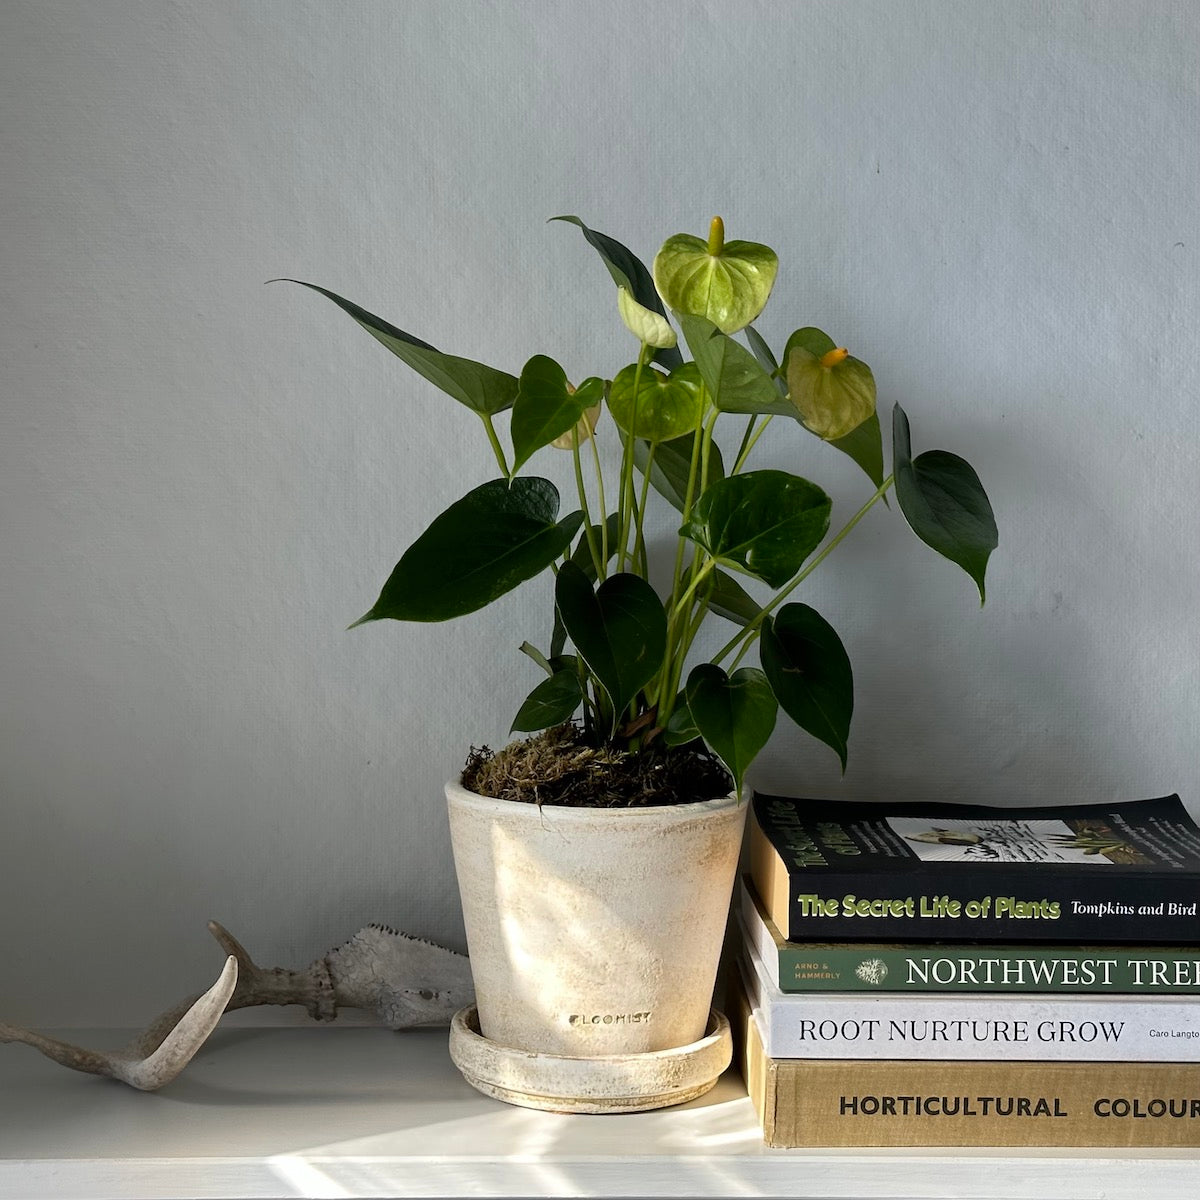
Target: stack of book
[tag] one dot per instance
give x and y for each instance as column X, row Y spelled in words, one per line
column 921, row 975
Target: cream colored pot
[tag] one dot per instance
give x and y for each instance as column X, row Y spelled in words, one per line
column 594, row 932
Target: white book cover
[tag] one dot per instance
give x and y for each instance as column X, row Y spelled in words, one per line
column 982, row 1026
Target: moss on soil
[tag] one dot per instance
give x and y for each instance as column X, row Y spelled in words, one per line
column 557, row 766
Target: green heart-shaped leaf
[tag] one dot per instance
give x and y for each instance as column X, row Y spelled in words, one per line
column 482, row 389
column 809, row 672
column 482, row 546
column 735, row 380
column 734, row 714
column 620, row 630
column 726, row 282
column 628, row 271
column 765, row 522
column 671, row 464
column 546, row 407
column 945, row 504
column 834, row 392
column 727, row 598
column 582, row 558
column 662, row 407
column 552, row 702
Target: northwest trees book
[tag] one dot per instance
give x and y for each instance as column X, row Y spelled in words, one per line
column 1044, row 967
column 835, row 871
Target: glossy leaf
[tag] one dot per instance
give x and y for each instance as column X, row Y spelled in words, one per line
column 628, row 271
column 727, row 598
column 735, row 381
column 662, row 407
column 546, row 406
column 766, row 522
column 552, row 702
column 729, row 288
column 670, row 466
column 809, row 672
column 482, row 389
column 619, row 630
column 482, row 546
column 582, row 558
column 648, row 326
column 834, row 392
column 734, row 714
column 945, row 504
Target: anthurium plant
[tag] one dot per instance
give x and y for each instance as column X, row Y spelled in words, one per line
column 618, row 661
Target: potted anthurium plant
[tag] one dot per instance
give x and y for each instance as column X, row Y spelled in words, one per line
column 596, row 858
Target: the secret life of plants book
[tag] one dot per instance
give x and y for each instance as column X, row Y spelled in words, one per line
column 836, row 871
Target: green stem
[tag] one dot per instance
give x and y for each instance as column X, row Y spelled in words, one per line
column 497, row 449
column 603, row 571
column 639, row 548
column 686, row 598
column 744, row 448
column 748, row 443
column 625, row 492
column 752, row 629
column 587, row 516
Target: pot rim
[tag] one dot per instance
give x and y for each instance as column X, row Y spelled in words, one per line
column 581, row 813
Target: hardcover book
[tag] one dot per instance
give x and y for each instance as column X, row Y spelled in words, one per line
column 965, row 967
column 805, row 1103
column 980, row 1026
column 1099, row 874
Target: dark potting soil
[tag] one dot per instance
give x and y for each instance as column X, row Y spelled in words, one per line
column 557, row 766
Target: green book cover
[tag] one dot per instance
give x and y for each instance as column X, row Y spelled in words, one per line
column 965, row 966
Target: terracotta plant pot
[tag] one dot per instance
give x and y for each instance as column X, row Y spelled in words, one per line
column 594, row 932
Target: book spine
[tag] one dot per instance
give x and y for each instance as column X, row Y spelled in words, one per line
column 1124, row 970
column 857, row 1103
column 975, row 1027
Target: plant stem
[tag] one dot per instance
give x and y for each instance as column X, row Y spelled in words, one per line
column 497, row 449
column 639, row 548
column 748, row 442
column 751, row 630
column 685, row 599
column 744, row 448
column 587, row 516
column 603, row 571
column 625, row 492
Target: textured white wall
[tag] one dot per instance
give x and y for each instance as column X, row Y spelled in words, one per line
column 203, row 480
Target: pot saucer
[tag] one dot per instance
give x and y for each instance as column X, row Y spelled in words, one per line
column 608, row 1084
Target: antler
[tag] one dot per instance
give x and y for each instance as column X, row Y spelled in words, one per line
column 151, row 1059
column 404, row 980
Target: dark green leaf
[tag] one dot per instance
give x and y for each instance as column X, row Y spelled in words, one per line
column 809, row 672
column 727, row 598
column 669, row 469
column 620, row 630
column 766, row 522
column 482, row 546
column 582, row 558
column 663, row 408
column 482, row 389
column 546, row 408
column 552, row 702
column 680, row 728
column 628, row 271
column 766, row 359
column 734, row 714
column 945, row 504
column 735, row 381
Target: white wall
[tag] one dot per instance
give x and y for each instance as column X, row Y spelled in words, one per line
column 203, row 480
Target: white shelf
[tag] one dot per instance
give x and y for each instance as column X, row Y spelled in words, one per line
column 353, row 1112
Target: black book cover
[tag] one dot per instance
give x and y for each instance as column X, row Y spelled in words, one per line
column 1099, row 873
